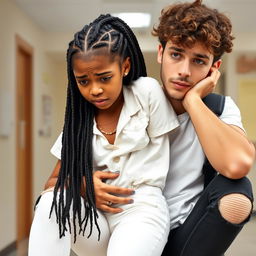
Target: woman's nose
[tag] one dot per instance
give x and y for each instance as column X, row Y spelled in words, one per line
column 96, row 90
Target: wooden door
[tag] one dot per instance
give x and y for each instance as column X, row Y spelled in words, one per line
column 23, row 138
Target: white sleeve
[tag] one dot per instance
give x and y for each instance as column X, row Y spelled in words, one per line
column 162, row 117
column 231, row 113
column 56, row 148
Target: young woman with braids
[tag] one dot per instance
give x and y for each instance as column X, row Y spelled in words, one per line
column 113, row 123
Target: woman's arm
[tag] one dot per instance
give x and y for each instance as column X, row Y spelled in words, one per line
column 53, row 177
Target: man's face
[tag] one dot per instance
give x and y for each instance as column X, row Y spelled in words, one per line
column 182, row 67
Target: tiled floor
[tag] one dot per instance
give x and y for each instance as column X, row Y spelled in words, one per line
column 22, row 249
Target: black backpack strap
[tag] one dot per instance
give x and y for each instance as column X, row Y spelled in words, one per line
column 215, row 102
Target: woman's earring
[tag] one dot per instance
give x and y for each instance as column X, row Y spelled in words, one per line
column 126, row 73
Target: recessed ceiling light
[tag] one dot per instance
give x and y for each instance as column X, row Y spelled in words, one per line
column 135, row 19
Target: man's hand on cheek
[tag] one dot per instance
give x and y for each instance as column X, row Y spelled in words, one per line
column 203, row 87
column 106, row 195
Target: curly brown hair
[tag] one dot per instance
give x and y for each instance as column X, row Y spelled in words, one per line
column 187, row 23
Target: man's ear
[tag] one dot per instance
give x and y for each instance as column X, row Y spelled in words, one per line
column 160, row 53
column 217, row 64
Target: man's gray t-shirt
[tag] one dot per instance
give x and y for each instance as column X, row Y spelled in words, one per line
column 185, row 180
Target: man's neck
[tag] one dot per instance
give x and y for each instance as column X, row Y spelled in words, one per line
column 177, row 105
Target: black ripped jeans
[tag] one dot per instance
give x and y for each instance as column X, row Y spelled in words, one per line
column 205, row 232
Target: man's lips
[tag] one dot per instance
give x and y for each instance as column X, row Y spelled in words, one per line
column 180, row 84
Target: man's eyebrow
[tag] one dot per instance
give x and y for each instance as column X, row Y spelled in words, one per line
column 198, row 55
column 96, row 74
column 176, row 49
column 201, row 56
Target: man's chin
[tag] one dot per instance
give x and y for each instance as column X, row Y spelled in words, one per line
column 178, row 96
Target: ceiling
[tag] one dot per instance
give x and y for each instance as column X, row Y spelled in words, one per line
column 65, row 16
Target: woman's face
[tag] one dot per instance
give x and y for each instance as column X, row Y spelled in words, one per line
column 99, row 78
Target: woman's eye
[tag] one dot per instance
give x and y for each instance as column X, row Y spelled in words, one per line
column 106, row 78
column 82, row 82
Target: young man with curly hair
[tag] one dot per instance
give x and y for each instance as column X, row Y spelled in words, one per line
column 204, row 221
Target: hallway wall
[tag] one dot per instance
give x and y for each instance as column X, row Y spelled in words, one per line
column 46, row 81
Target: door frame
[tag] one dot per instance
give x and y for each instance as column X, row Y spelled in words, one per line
column 22, row 45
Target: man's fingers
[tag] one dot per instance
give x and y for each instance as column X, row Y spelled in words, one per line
column 108, row 197
column 215, row 75
column 110, row 203
column 215, row 78
column 109, row 188
column 106, row 201
column 118, row 200
column 106, row 175
column 118, row 190
column 106, row 208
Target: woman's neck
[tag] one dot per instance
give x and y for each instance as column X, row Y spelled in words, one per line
column 107, row 119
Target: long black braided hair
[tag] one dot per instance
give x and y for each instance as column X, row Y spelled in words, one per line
column 76, row 155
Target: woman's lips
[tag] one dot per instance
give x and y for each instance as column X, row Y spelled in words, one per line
column 99, row 102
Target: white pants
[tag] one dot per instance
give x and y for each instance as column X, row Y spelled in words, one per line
column 140, row 230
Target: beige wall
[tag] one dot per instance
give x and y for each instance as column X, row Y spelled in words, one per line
column 12, row 22
column 243, row 43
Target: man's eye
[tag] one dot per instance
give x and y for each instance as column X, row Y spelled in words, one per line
column 199, row 61
column 175, row 55
column 106, row 78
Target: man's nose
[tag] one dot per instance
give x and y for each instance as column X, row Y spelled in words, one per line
column 184, row 69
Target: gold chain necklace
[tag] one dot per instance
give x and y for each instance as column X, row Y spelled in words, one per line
column 107, row 133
